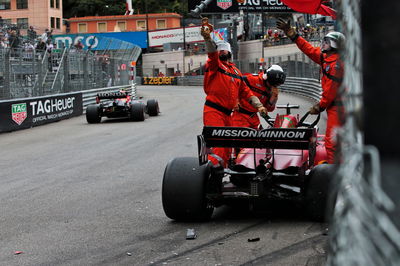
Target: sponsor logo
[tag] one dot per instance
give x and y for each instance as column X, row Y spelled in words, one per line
column 51, row 105
column 224, row 4
column 269, row 134
column 18, row 112
column 258, row 2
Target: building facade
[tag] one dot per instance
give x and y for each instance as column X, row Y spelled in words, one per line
column 41, row 14
column 139, row 22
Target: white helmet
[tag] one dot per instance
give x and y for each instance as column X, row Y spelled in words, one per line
column 274, row 75
column 336, row 39
column 222, row 45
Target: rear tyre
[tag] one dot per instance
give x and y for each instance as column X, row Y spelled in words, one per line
column 184, row 190
column 137, row 112
column 317, row 196
column 152, row 107
column 93, row 114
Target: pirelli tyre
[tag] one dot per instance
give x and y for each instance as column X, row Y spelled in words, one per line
column 137, row 111
column 93, row 113
column 152, row 107
column 318, row 198
column 184, row 190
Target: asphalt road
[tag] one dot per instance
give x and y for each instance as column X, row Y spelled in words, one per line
column 78, row 194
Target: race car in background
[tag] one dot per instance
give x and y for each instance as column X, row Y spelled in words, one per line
column 285, row 162
column 120, row 104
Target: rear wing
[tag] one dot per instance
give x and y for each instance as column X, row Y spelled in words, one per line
column 242, row 137
column 112, row 95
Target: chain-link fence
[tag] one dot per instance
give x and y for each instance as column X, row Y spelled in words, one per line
column 362, row 231
column 29, row 72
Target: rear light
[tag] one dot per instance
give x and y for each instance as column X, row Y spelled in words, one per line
column 97, row 100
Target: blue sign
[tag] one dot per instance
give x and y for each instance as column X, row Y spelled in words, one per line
column 104, row 41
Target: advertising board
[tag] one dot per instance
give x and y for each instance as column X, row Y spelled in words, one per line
column 232, row 6
column 29, row 112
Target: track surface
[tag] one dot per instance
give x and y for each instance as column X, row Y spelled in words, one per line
column 78, row 194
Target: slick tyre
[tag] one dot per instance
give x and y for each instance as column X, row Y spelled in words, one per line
column 318, row 201
column 137, row 112
column 152, row 107
column 184, row 190
column 93, row 114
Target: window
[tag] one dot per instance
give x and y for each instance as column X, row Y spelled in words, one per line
column 82, row 27
column 52, row 3
column 5, row 4
column 102, row 26
column 58, row 24
column 121, row 25
column 22, row 4
column 57, row 3
column 141, row 25
column 161, row 24
column 52, row 22
column 22, row 23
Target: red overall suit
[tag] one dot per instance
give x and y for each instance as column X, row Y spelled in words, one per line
column 332, row 75
column 223, row 86
column 246, row 115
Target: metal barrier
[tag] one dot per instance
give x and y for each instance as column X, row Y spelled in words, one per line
column 89, row 96
column 305, row 87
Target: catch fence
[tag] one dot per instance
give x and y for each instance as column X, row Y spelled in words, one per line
column 28, row 72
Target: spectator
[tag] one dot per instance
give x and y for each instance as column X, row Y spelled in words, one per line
column 78, row 45
column 40, row 46
column 196, row 48
column 44, row 35
column 1, row 21
column 31, row 34
column 3, row 42
column 13, row 43
column 276, row 36
column 49, row 48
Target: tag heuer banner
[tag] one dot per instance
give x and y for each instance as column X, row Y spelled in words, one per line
column 28, row 112
column 233, row 6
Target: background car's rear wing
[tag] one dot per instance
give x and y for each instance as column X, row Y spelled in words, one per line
column 112, row 95
column 242, row 137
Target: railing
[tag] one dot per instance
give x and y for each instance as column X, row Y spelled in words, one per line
column 59, row 77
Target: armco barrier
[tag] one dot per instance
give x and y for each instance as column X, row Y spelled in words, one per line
column 89, row 96
column 306, row 87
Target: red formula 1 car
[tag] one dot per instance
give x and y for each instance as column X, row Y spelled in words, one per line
column 120, row 104
column 283, row 162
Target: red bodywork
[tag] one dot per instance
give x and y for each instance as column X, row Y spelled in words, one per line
column 283, row 158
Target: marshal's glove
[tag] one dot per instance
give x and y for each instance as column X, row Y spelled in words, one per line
column 262, row 110
column 287, row 29
column 316, row 109
column 206, row 29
